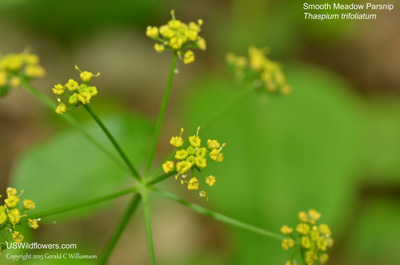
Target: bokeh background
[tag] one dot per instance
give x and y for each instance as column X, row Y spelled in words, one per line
column 332, row 145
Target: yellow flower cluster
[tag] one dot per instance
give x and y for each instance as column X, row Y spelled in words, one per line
column 258, row 69
column 15, row 66
column 313, row 240
column 80, row 93
column 179, row 37
column 10, row 214
column 194, row 157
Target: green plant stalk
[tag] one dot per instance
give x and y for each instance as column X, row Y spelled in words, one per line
column 120, row 228
column 161, row 114
column 49, row 103
column 149, row 235
column 132, row 169
column 83, row 204
column 160, row 178
column 220, row 217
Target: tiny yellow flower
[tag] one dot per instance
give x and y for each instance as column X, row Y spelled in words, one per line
column 314, row 234
column 287, row 243
column 17, row 237
column 200, row 162
column 12, row 201
column 29, row 205
column 58, row 89
column 322, row 244
column 303, row 217
column 303, row 228
column 325, row 230
column 314, row 215
column 14, row 216
column 176, row 141
column 181, row 154
column 216, row 155
column 286, row 230
column 32, row 59
column 72, row 85
column 323, row 259
column 188, row 57
column 86, row 76
column 193, row 184
column 183, row 166
column 195, row 141
column 152, row 32
column 201, row 44
column 168, row 166
column 201, row 152
column 61, row 108
column 33, row 223
column 305, row 242
column 203, row 194
column 159, row 48
column 3, row 218
column 213, row 144
column 210, row 180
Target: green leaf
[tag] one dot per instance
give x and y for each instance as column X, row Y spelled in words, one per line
column 68, row 169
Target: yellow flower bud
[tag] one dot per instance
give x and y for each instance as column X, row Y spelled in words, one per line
column 181, row 154
column 12, row 201
column 287, row 243
column 188, row 57
column 3, row 218
column 72, row 85
column 32, row 59
column 305, row 242
column 86, row 76
column 323, row 259
column 61, row 108
column 286, row 230
column 14, row 216
column 183, row 166
column 200, row 162
column 210, row 180
column 166, row 32
column 152, row 32
column 33, row 223
column 29, row 205
column 159, row 48
column 168, row 166
column 176, row 141
column 201, row 44
column 17, row 237
column 195, row 141
column 193, row 184
column 58, row 89
column 174, row 24
column 325, row 230
column 303, row 228
column 303, row 217
column 213, row 144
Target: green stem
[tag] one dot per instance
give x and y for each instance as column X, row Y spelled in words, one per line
column 134, row 172
column 83, row 204
column 161, row 114
column 155, row 180
column 118, row 232
column 71, row 121
column 149, row 235
column 220, row 217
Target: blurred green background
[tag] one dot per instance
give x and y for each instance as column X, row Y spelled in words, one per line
column 332, row 145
